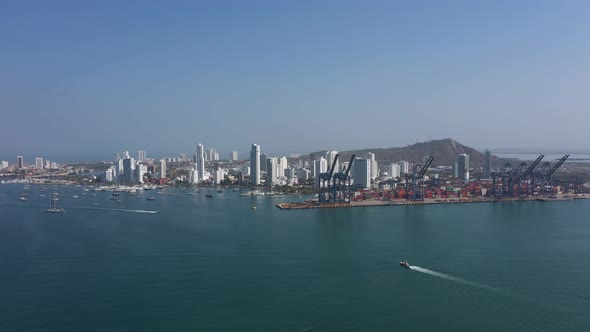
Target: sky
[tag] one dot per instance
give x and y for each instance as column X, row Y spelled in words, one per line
column 85, row 79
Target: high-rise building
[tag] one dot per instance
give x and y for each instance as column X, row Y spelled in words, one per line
column 120, row 169
column 54, row 165
column 374, row 168
column 141, row 155
column 20, row 163
column 394, row 170
column 128, row 170
column 255, row 164
column 290, row 173
column 47, row 164
column 162, row 168
column 330, row 155
column 362, row 173
column 193, row 177
column 39, row 163
column 4, row 164
column 303, row 175
column 233, row 156
column 455, row 170
column 463, row 167
column 487, row 164
column 282, row 166
column 108, row 175
column 271, row 171
column 246, row 170
column 319, row 166
column 263, row 162
column 139, row 172
column 219, row 174
column 404, row 167
column 200, row 161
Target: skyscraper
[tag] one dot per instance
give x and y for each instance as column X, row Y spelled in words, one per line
column 163, row 169
column 404, row 167
column 487, row 164
column 271, row 171
column 263, row 162
column 394, row 170
column 255, row 165
column 128, row 170
column 318, row 167
column 20, row 163
column 463, row 167
column 193, row 176
column 362, row 173
column 138, row 173
column 233, row 156
column 374, row 168
column 282, row 167
column 330, row 155
column 39, row 163
column 141, row 155
column 200, row 161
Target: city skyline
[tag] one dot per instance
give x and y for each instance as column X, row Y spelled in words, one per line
column 458, row 69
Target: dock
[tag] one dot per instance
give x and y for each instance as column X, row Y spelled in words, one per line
column 375, row 203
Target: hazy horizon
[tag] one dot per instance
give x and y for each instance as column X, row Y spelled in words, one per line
column 84, row 79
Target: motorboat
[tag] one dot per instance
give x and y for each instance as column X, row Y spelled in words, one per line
column 405, row 264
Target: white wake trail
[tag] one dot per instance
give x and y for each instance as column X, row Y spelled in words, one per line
column 455, row 279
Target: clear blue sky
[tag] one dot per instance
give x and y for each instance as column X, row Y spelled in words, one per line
column 79, row 78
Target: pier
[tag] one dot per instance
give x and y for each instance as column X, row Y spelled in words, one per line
column 374, row 203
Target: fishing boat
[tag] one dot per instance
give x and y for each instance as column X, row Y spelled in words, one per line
column 53, row 205
column 405, row 264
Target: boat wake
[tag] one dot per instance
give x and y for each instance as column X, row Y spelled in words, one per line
column 119, row 210
column 455, row 279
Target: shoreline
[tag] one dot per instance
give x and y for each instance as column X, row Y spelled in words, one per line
column 314, row 205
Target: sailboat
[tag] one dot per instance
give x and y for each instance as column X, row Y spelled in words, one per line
column 53, row 205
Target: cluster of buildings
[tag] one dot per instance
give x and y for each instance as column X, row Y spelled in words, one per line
column 40, row 164
column 260, row 170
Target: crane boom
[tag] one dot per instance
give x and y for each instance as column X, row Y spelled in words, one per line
column 349, row 166
column 425, row 167
column 533, row 165
column 331, row 170
column 557, row 165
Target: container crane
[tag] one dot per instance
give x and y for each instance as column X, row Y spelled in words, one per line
column 341, row 187
column 416, row 184
column 325, row 181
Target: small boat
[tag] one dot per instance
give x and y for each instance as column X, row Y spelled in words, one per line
column 151, row 198
column 405, row 264
column 22, row 198
column 118, row 201
column 95, row 204
column 75, row 196
column 219, row 191
column 209, row 195
column 53, row 205
column 253, row 208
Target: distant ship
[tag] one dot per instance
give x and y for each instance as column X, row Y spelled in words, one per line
column 53, row 205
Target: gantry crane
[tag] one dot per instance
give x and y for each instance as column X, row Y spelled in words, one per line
column 414, row 181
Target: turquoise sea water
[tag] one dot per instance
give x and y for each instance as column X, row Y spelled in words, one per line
column 213, row 264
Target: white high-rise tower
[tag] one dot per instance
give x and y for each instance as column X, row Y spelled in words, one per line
column 200, row 161
column 255, row 165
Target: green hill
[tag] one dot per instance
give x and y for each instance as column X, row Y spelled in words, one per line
column 444, row 151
